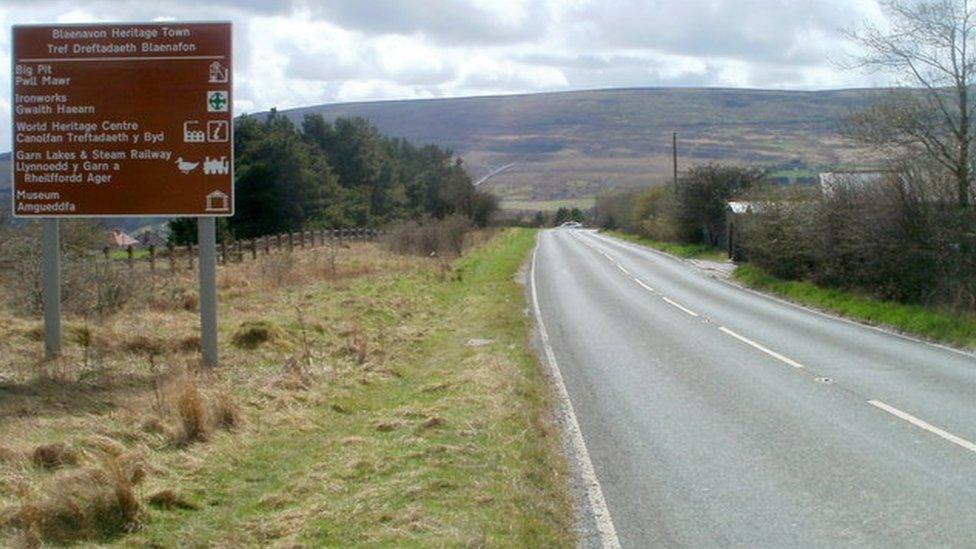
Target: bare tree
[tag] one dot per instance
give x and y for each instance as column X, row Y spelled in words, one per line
column 931, row 46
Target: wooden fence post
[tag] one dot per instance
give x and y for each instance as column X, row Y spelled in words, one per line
column 129, row 256
column 152, row 257
column 291, row 241
column 238, row 251
column 106, row 251
column 254, row 248
column 189, row 255
column 171, row 250
column 223, row 252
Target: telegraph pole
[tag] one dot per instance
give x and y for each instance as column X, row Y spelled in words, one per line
column 674, row 154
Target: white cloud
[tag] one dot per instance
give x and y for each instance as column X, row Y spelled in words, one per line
column 291, row 53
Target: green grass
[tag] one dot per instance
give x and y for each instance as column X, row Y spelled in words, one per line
column 430, row 442
column 687, row 251
column 120, row 254
column 794, row 173
column 949, row 327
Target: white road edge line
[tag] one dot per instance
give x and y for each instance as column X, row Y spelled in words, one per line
column 598, row 505
column 769, row 352
column 680, row 306
column 927, row 426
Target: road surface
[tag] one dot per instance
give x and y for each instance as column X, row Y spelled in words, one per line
column 716, row 417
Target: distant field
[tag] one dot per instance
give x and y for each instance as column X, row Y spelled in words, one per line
column 547, row 205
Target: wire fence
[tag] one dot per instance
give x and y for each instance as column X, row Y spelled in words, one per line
column 176, row 257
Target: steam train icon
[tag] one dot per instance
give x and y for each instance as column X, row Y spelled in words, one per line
column 216, row 166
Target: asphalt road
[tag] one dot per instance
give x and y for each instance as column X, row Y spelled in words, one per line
column 717, row 417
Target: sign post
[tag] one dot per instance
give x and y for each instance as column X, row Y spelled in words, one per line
column 51, row 286
column 123, row 120
column 207, row 238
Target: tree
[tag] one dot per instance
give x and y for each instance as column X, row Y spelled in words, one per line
column 931, row 46
column 562, row 216
column 283, row 182
column 701, row 196
column 483, row 206
column 539, row 219
column 182, row 231
column 338, row 174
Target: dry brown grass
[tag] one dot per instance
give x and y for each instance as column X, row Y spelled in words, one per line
column 254, row 333
column 195, row 422
column 95, row 503
column 130, row 383
column 207, row 440
column 55, row 455
column 225, row 410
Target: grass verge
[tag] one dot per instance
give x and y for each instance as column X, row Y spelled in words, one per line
column 687, row 251
column 949, row 327
column 392, row 401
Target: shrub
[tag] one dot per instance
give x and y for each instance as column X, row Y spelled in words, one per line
column 894, row 240
column 90, row 286
column 440, row 237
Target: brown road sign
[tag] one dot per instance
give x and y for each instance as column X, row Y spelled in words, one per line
column 122, row 120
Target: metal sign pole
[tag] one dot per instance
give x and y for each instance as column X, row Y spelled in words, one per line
column 51, row 286
column 207, row 239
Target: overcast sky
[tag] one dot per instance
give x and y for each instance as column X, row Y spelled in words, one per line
column 295, row 53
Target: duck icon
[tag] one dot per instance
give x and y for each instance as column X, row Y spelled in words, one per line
column 186, row 167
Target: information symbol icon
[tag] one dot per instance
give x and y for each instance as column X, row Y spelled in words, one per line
column 217, row 131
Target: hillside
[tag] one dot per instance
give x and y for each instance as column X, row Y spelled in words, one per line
column 572, row 144
column 569, row 145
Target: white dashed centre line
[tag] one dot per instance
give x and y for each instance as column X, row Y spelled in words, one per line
column 927, row 426
column 769, row 352
column 642, row 285
column 679, row 306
